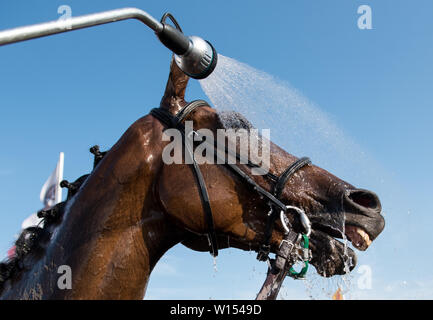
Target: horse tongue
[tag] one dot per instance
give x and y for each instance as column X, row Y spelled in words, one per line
column 272, row 285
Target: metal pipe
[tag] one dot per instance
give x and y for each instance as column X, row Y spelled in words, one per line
column 80, row 22
column 195, row 57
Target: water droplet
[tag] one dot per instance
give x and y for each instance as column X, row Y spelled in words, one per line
column 215, row 265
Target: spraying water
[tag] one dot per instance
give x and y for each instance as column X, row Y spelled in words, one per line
column 297, row 125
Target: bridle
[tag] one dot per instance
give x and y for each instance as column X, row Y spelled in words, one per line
column 286, row 255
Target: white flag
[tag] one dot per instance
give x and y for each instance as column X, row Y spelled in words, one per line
column 31, row 221
column 51, row 192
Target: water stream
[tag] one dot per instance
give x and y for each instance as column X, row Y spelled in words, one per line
column 297, row 125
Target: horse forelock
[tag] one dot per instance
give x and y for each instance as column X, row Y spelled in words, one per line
column 233, row 120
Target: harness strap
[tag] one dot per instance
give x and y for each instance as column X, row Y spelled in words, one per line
column 273, row 214
column 185, row 111
column 285, row 176
column 176, row 121
column 205, row 201
column 247, row 161
column 284, row 255
column 163, row 116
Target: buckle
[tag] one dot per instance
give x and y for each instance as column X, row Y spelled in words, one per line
column 285, row 249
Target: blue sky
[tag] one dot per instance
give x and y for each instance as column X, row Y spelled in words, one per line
column 71, row 91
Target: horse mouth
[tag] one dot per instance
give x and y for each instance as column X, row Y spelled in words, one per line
column 358, row 237
column 358, row 223
column 333, row 257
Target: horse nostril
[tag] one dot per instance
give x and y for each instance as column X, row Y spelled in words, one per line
column 365, row 198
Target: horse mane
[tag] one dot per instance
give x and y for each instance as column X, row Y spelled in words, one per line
column 233, row 120
column 31, row 241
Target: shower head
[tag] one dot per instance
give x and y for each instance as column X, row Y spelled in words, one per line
column 196, row 57
column 200, row 60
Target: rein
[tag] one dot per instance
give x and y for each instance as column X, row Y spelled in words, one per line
column 289, row 249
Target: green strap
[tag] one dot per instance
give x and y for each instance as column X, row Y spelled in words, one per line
column 301, row 274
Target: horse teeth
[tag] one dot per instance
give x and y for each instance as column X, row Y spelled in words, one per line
column 364, row 236
column 359, row 238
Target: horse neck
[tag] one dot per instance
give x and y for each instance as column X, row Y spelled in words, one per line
column 118, row 248
column 112, row 233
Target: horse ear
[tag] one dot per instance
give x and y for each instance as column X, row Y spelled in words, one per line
column 175, row 89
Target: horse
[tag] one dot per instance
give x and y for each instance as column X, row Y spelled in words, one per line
column 120, row 219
